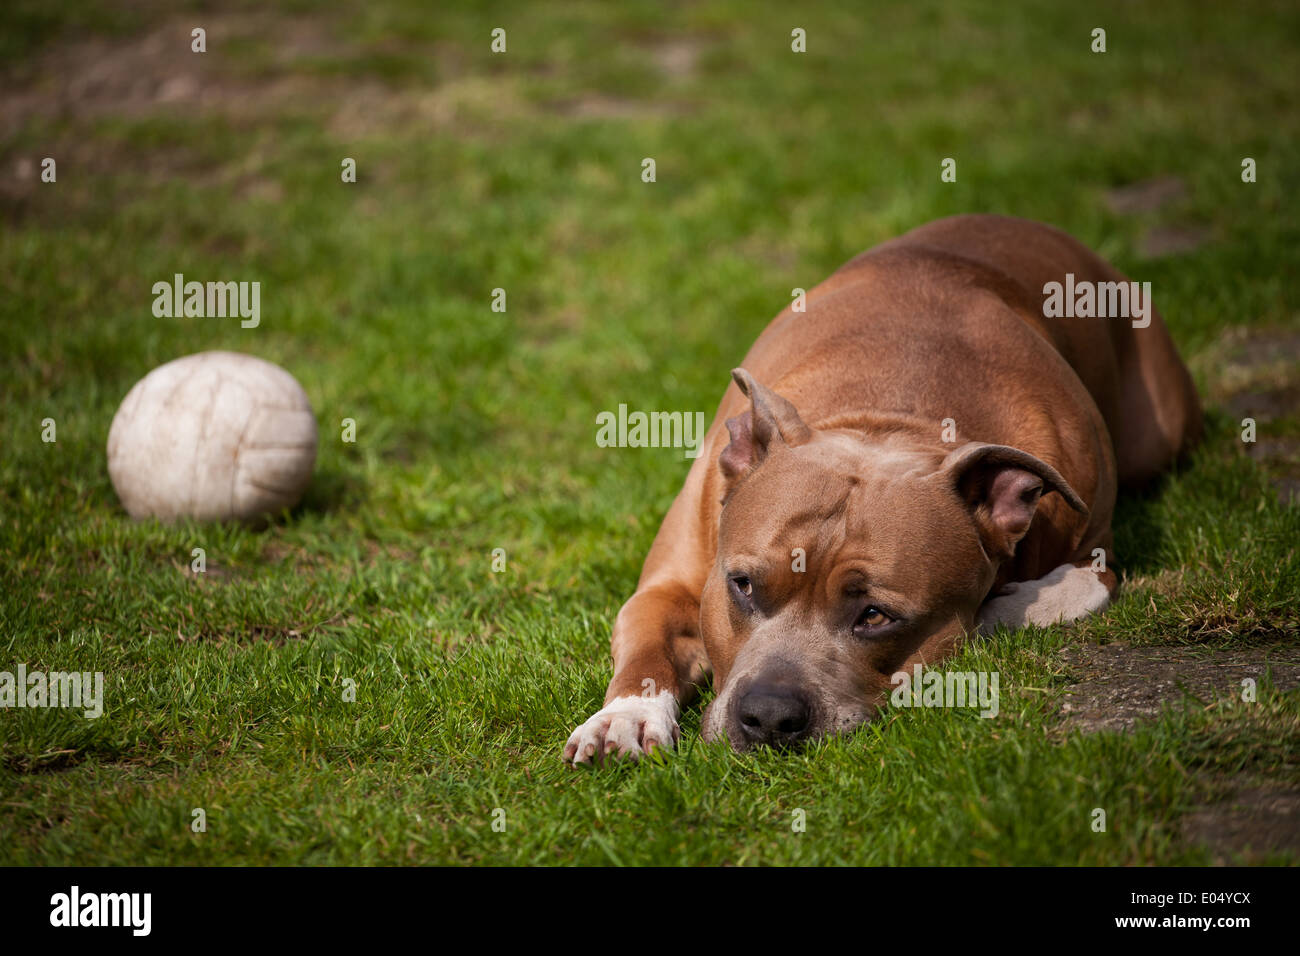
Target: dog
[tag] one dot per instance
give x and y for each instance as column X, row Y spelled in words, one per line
column 932, row 446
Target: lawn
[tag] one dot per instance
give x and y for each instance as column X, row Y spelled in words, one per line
column 229, row 690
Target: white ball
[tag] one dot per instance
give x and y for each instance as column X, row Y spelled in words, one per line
column 213, row 436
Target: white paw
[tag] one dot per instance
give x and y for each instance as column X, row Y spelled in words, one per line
column 1066, row 594
column 626, row 727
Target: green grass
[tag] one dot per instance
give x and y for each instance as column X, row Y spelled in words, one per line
column 475, row 429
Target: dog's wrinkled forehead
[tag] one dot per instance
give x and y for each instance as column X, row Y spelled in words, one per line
column 833, row 489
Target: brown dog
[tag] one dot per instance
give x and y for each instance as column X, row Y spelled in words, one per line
column 878, row 495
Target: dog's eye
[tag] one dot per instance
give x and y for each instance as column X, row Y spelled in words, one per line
column 872, row 619
column 742, row 586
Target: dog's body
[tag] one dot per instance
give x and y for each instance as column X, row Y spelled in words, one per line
column 877, row 495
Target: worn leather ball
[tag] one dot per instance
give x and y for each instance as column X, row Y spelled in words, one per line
column 214, row 436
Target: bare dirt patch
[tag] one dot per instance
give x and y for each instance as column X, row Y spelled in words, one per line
column 1255, row 373
column 1152, row 195
column 1118, row 685
column 158, row 72
column 1251, row 823
column 598, row 106
column 258, row 68
column 1254, row 348
column 475, row 105
column 1281, row 456
column 1162, row 241
column 56, row 103
column 1265, row 404
column 678, row 59
column 1147, row 195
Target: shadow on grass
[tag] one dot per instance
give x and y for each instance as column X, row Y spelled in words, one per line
column 1139, row 522
column 332, row 491
column 1139, row 529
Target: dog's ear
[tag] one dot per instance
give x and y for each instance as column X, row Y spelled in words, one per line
column 1001, row 485
column 771, row 419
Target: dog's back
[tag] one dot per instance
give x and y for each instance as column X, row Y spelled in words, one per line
column 964, row 293
column 1129, row 365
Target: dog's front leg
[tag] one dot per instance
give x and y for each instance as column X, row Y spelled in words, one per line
column 659, row 656
column 659, row 663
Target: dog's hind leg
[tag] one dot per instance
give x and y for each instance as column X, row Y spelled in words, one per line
column 1067, row 593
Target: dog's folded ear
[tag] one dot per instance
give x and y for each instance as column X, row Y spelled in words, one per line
column 1001, row 485
column 770, row 420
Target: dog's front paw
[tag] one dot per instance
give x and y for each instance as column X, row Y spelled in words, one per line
column 625, row 727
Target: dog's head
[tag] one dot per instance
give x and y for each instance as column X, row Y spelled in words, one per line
column 841, row 558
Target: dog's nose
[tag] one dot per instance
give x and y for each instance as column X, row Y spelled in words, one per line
column 773, row 714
